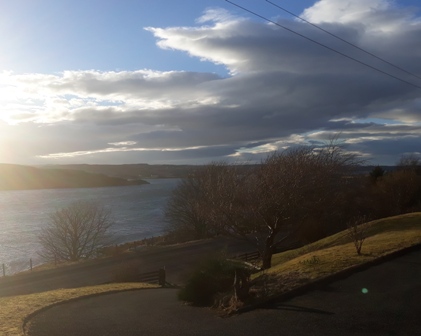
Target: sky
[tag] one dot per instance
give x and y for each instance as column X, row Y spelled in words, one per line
column 190, row 82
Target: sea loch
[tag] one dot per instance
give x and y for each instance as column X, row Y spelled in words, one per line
column 138, row 212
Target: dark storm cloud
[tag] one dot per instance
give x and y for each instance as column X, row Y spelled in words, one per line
column 283, row 90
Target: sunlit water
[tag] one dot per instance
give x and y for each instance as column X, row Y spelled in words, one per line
column 138, row 212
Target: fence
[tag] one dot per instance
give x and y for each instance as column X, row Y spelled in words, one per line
column 158, row 277
column 249, row 256
column 4, row 270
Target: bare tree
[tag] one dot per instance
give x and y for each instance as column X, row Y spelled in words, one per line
column 290, row 188
column 76, row 232
column 410, row 162
column 269, row 203
column 191, row 208
column 398, row 192
column 184, row 211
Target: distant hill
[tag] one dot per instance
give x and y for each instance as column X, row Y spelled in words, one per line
column 145, row 171
column 134, row 171
column 17, row 177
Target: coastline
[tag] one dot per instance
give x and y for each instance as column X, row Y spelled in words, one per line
column 138, row 213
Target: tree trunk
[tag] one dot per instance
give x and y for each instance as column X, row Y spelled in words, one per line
column 267, row 258
column 267, row 252
column 241, row 285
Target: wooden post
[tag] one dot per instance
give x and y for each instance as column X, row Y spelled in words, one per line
column 161, row 278
column 4, row 270
column 241, row 285
column 30, row 263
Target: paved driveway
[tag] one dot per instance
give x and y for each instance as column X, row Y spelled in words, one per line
column 384, row 300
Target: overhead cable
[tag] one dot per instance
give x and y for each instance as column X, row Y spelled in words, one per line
column 323, row 45
column 343, row 40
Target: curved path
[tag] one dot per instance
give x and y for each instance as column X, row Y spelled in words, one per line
column 384, row 300
column 176, row 258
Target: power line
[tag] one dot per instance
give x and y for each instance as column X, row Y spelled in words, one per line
column 343, row 40
column 323, row 45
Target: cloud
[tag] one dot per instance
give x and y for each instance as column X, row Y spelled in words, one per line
column 373, row 15
column 282, row 91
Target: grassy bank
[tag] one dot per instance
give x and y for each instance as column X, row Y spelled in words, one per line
column 337, row 253
column 290, row 269
column 14, row 310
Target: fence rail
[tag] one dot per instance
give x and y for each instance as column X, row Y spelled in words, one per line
column 249, row 256
column 255, row 255
column 156, row 277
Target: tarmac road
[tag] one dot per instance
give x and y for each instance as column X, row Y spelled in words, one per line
column 177, row 259
column 383, row 300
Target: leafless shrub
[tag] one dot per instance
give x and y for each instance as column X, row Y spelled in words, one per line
column 410, row 162
column 398, row 192
column 357, row 231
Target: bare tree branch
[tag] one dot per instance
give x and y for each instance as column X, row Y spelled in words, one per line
column 76, row 232
column 264, row 205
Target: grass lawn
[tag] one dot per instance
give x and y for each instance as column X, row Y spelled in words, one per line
column 14, row 309
column 336, row 253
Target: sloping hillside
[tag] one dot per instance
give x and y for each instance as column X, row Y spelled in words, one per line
column 16, row 177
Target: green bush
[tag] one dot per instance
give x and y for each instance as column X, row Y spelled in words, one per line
column 214, row 275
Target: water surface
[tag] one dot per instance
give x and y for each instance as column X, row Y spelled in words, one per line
column 138, row 212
